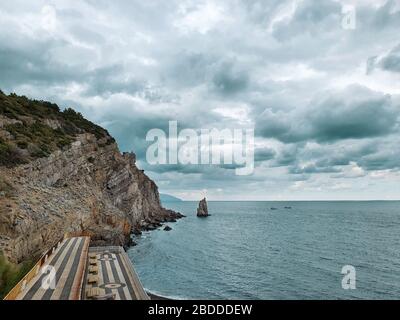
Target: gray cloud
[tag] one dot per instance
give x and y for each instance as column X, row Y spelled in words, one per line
column 311, row 17
column 358, row 113
column 264, row 154
column 286, row 67
column 353, row 113
column 388, row 62
column 386, row 16
column 230, row 80
column 312, row 168
column 32, row 65
column 391, row 62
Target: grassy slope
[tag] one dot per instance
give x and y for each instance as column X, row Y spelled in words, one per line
column 31, row 136
column 11, row 274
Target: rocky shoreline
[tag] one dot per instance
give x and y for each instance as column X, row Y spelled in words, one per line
column 157, row 222
column 153, row 296
column 169, row 216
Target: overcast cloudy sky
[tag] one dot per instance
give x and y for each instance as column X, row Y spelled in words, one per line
column 324, row 100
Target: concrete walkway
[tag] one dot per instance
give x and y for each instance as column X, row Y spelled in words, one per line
column 116, row 274
column 66, row 266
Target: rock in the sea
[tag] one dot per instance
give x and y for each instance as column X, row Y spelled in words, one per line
column 202, row 210
column 167, row 228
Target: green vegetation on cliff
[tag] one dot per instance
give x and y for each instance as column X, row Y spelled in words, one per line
column 31, row 129
column 11, row 274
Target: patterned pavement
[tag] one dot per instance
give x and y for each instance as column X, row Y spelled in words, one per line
column 67, row 267
column 116, row 274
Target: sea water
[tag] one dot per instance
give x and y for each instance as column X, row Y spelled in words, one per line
column 262, row 250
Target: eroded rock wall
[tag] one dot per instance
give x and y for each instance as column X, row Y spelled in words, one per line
column 89, row 187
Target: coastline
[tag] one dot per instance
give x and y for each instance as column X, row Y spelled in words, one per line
column 156, row 297
column 160, row 297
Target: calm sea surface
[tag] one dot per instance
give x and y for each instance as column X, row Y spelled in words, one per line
column 245, row 250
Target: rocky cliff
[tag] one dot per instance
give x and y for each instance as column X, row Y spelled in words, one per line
column 59, row 173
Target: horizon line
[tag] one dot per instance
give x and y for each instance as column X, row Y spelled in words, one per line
column 336, row 200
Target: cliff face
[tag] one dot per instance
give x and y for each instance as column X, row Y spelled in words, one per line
column 87, row 185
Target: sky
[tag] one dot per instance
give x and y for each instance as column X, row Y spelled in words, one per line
column 323, row 96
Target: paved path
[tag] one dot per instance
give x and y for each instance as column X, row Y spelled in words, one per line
column 116, row 274
column 69, row 263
